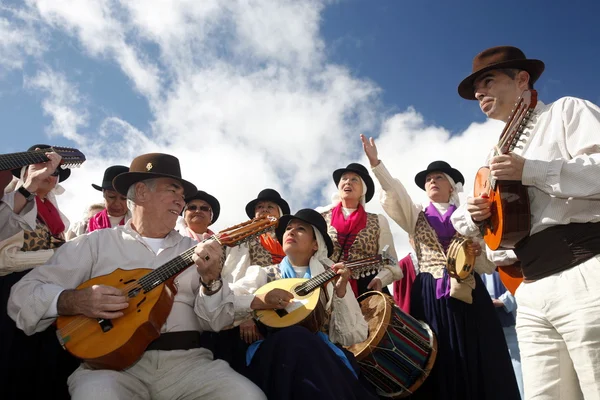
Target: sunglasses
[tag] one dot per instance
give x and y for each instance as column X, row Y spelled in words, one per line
column 200, row 208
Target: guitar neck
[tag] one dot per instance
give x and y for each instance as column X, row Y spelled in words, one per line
column 18, row 160
column 166, row 271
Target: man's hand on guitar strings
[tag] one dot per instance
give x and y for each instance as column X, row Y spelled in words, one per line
column 207, row 257
column 341, row 281
column 273, row 299
column 507, row 167
column 97, row 301
column 479, row 208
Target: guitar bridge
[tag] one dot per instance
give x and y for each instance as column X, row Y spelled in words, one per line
column 105, row 324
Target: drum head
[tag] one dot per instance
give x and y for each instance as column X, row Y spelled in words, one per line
column 377, row 312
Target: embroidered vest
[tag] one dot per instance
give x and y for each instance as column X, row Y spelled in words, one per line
column 258, row 254
column 366, row 243
column 41, row 238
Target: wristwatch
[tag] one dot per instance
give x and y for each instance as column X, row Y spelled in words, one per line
column 26, row 193
column 214, row 285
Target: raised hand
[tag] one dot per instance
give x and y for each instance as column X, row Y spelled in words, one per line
column 36, row 173
column 370, row 150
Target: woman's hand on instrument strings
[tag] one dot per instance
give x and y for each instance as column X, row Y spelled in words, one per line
column 97, row 301
column 507, row 167
column 370, row 150
column 273, row 299
column 341, row 282
column 479, row 207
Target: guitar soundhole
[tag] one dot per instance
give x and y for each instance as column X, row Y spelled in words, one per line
column 281, row 312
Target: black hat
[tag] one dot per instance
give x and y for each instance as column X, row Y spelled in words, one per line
column 211, row 200
column 63, row 173
column 152, row 165
column 439, row 166
column 362, row 172
column 499, row 57
column 309, row 216
column 109, row 175
column 267, row 195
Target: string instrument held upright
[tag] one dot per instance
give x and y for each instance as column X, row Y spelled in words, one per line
column 116, row 344
column 511, row 219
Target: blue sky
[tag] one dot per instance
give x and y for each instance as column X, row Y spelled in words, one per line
column 271, row 93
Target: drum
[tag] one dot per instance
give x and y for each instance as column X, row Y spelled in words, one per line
column 399, row 352
column 459, row 261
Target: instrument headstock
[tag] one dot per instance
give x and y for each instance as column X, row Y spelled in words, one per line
column 71, row 158
column 517, row 121
column 240, row 233
column 371, row 265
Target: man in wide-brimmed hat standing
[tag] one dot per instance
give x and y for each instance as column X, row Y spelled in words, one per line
column 173, row 366
column 558, row 321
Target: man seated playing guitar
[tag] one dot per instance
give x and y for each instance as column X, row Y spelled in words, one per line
column 293, row 362
column 173, row 366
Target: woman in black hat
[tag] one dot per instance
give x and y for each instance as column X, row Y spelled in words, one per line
column 201, row 210
column 115, row 204
column 294, row 363
column 356, row 233
column 472, row 358
column 33, row 366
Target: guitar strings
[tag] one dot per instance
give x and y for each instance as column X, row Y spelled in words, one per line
column 81, row 320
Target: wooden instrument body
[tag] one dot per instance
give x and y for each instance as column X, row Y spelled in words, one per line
column 311, row 314
column 459, row 261
column 129, row 336
column 511, row 219
column 511, row 276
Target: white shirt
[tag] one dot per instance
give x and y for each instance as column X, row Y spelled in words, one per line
column 562, row 169
column 100, row 253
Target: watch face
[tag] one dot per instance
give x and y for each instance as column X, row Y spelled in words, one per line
column 215, row 285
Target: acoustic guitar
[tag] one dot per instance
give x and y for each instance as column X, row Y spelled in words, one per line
column 117, row 344
column 70, row 158
column 307, row 308
column 510, row 221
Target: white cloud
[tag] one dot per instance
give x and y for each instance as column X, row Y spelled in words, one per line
column 18, row 38
column 62, row 103
column 243, row 94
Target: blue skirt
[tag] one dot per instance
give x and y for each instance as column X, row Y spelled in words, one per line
column 473, row 362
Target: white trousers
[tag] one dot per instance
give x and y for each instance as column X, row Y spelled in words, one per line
column 558, row 327
column 178, row 374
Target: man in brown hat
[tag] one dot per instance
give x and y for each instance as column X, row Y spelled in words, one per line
column 175, row 365
column 558, row 322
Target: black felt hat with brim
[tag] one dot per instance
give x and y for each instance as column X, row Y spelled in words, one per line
column 361, row 171
column 149, row 166
column 211, row 200
column 63, row 173
column 109, row 175
column 309, row 216
column 267, row 195
column 439, row 166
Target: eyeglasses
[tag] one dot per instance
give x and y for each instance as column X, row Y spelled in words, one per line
column 199, row 208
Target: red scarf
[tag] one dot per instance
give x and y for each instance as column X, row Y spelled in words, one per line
column 402, row 287
column 347, row 231
column 50, row 215
column 101, row 221
column 272, row 246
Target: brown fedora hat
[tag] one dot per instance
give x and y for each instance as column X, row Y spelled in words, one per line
column 498, row 58
column 152, row 165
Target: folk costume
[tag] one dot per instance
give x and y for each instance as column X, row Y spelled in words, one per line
column 358, row 234
column 32, row 366
column 166, row 369
column 560, row 260
column 103, row 220
column 472, row 360
column 293, row 363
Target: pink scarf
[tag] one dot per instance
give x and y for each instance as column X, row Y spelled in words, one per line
column 197, row 237
column 347, row 231
column 101, row 221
